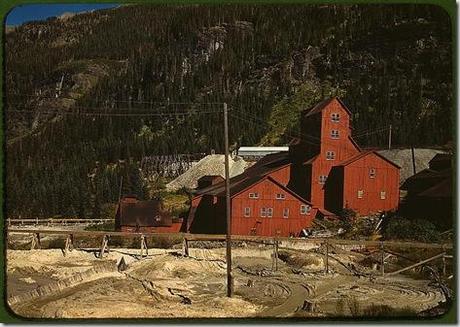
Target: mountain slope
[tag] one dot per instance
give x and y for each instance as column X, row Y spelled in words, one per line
column 391, row 64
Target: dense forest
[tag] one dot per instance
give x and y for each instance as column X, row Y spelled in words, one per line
column 89, row 95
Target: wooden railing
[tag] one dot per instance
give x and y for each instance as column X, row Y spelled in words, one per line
column 381, row 246
column 55, row 221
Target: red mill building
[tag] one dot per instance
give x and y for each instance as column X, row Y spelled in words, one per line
column 321, row 174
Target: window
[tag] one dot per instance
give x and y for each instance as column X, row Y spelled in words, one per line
column 383, row 195
column 269, row 212
column 263, row 212
column 322, row 179
column 280, row 196
column 334, row 134
column 285, row 212
column 360, row 194
column 247, row 212
column 371, row 172
column 335, row 117
column 330, row 155
column 253, row 195
column 305, row 209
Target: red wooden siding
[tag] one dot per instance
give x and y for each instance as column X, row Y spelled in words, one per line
column 342, row 147
column 282, row 175
column 356, row 178
column 174, row 228
column 275, row 225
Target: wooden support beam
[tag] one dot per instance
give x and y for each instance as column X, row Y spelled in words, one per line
column 382, row 260
column 275, row 256
column 69, row 246
column 417, row 264
column 185, row 247
column 104, row 246
column 444, row 266
column 35, row 244
column 144, row 246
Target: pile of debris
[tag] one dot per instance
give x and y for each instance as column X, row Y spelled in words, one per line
column 211, row 165
column 403, row 158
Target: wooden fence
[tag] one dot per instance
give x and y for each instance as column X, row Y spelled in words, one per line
column 56, row 221
column 383, row 247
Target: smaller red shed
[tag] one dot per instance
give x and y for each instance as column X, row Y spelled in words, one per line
column 367, row 183
column 134, row 215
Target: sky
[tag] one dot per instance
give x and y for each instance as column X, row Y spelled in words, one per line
column 26, row 13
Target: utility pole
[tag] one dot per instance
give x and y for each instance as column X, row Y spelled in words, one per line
column 389, row 139
column 228, row 208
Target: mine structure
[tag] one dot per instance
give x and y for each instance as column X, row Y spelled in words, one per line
column 324, row 172
column 134, row 215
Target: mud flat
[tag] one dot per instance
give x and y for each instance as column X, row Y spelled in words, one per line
column 44, row 283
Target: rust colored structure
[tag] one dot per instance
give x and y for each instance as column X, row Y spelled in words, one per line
column 324, row 170
column 134, row 215
column 429, row 192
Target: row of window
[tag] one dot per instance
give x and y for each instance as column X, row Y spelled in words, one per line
column 279, row 196
column 268, row 212
column 383, row 194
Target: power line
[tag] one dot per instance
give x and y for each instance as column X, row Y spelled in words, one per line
column 100, row 114
column 114, row 101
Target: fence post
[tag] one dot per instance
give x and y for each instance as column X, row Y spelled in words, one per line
column 275, row 254
column 68, row 244
column 35, row 241
column 444, row 264
column 105, row 242
column 382, row 259
column 185, row 247
column 144, row 246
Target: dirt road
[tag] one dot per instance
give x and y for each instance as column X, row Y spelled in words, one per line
column 44, row 283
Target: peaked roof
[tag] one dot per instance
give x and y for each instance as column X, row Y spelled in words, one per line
column 427, row 175
column 362, row 155
column 323, row 104
column 440, row 190
column 240, row 187
column 142, row 213
column 268, row 164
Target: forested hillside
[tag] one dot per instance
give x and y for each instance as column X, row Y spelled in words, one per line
column 66, row 77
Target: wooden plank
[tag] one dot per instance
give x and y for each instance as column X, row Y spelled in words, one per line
column 417, row 264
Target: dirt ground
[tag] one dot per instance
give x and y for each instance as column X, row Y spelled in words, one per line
column 166, row 284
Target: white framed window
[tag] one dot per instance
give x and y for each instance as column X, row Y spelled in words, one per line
column 334, row 134
column 322, row 179
column 247, row 212
column 305, row 209
column 263, row 212
column 360, row 194
column 330, row 155
column 372, row 172
column 383, row 195
column 286, row 213
column 335, row 117
column 253, row 195
column 269, row 212
column 280, row 196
